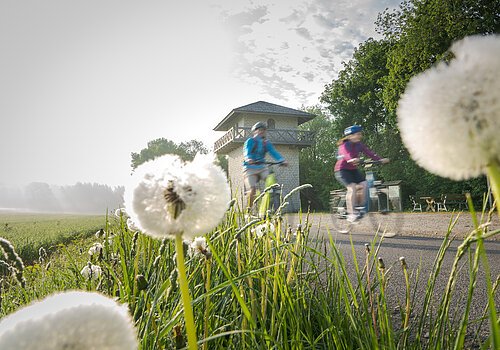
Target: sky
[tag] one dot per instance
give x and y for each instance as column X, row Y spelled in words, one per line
column 83, row 84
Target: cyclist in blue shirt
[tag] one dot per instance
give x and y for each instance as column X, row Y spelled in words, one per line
column 254, row 153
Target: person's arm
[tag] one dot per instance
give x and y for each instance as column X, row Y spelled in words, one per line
column 275, row 154
column 369, row 152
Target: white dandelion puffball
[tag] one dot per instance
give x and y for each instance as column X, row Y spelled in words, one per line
column 199, row 188
column 120, row 211
column 198, row 246
column 91, row 272
column 131, row 226
column 449, row 115
column 263, row 229
column 71, row 320
column 95, row 249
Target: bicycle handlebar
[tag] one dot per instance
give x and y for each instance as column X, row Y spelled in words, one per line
column 370, row 162
column 269, row 163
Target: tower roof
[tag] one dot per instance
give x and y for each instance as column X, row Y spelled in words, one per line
column 266, row 108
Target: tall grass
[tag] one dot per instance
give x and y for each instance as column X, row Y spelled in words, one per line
column 284, row 290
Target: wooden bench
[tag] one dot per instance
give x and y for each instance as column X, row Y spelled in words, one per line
column 457, row 201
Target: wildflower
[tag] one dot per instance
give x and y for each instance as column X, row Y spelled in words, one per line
column 91, row 272
column 96, row 249
column 10, row 254
column 70, row 320
column 168, row 197
column 131, row 226
column 100, row 233
column 449, row 115
column 110, row 239
column 263, row 229
column 120, row 212
column 199, row 246
column 42, row 255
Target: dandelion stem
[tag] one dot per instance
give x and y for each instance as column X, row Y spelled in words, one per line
column 186, row 298
column 494, row 177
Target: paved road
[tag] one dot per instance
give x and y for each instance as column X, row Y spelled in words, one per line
column 419, row 244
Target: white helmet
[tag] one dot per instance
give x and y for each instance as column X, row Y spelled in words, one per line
column 259, row 125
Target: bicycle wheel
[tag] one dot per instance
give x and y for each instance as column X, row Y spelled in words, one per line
column 340, row 223
column 386, row 223
column 338, row 212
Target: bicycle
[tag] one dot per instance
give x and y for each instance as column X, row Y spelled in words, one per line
column 381, row 213
column 271, row 196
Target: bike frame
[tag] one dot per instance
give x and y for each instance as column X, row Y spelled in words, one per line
column 271, row 199
column 373, row 183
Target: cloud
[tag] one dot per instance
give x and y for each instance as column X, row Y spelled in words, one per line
column 292, row 50
column 241, row 23
column 303, row 32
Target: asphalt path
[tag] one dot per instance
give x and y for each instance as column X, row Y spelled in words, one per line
column 419, row 243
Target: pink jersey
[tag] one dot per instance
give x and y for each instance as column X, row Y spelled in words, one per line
column 349, row 150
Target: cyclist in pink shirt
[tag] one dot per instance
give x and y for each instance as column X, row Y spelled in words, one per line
column 347, row 172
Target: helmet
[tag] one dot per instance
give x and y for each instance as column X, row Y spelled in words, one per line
column 352, row 130
column 259, row 125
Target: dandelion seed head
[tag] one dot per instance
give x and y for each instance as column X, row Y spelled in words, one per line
column 199, row 247
column 95, row 249
column 131, row 226
column 263, row 229
column 449, row 115
column 120, row 211
column 100, row 233
column 70, row 320
column 198, row 189
column 91, row 272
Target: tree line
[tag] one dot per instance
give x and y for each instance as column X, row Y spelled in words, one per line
column 86, row 198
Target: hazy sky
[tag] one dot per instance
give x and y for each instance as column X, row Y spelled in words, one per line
column 85, row 83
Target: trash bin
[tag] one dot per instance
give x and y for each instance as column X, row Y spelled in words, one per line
column 385, row 195
column 394, row 199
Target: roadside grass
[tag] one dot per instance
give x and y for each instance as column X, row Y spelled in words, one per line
column 279, row 291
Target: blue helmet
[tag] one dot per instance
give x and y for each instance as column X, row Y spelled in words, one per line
column 352, row 130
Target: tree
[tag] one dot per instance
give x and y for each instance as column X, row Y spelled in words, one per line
column 355, row 97
column 421, row 31
column 316, row 162
column 367, row 90
column 185, row 150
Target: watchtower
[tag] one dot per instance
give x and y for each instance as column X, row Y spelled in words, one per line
column 283, row 132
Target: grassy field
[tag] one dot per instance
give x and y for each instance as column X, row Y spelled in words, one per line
column 29, row 232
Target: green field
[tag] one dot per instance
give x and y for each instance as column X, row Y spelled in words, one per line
column 29, row 232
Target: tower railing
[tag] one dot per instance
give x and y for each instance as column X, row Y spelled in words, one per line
column 237, row 135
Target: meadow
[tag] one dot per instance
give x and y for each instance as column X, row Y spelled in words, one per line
column 28, row 232
column 255, row 284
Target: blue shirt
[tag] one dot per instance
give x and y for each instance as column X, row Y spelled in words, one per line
column 255, row 150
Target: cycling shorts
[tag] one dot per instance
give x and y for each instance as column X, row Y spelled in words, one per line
column 347, row 176
column 253, row 176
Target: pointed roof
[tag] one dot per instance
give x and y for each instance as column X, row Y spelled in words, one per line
column 262, row 107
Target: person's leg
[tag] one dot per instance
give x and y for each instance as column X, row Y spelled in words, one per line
column 350, row 198
column 250, row 187
column 252, row 177
column 361, row 194
column 347, row 177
